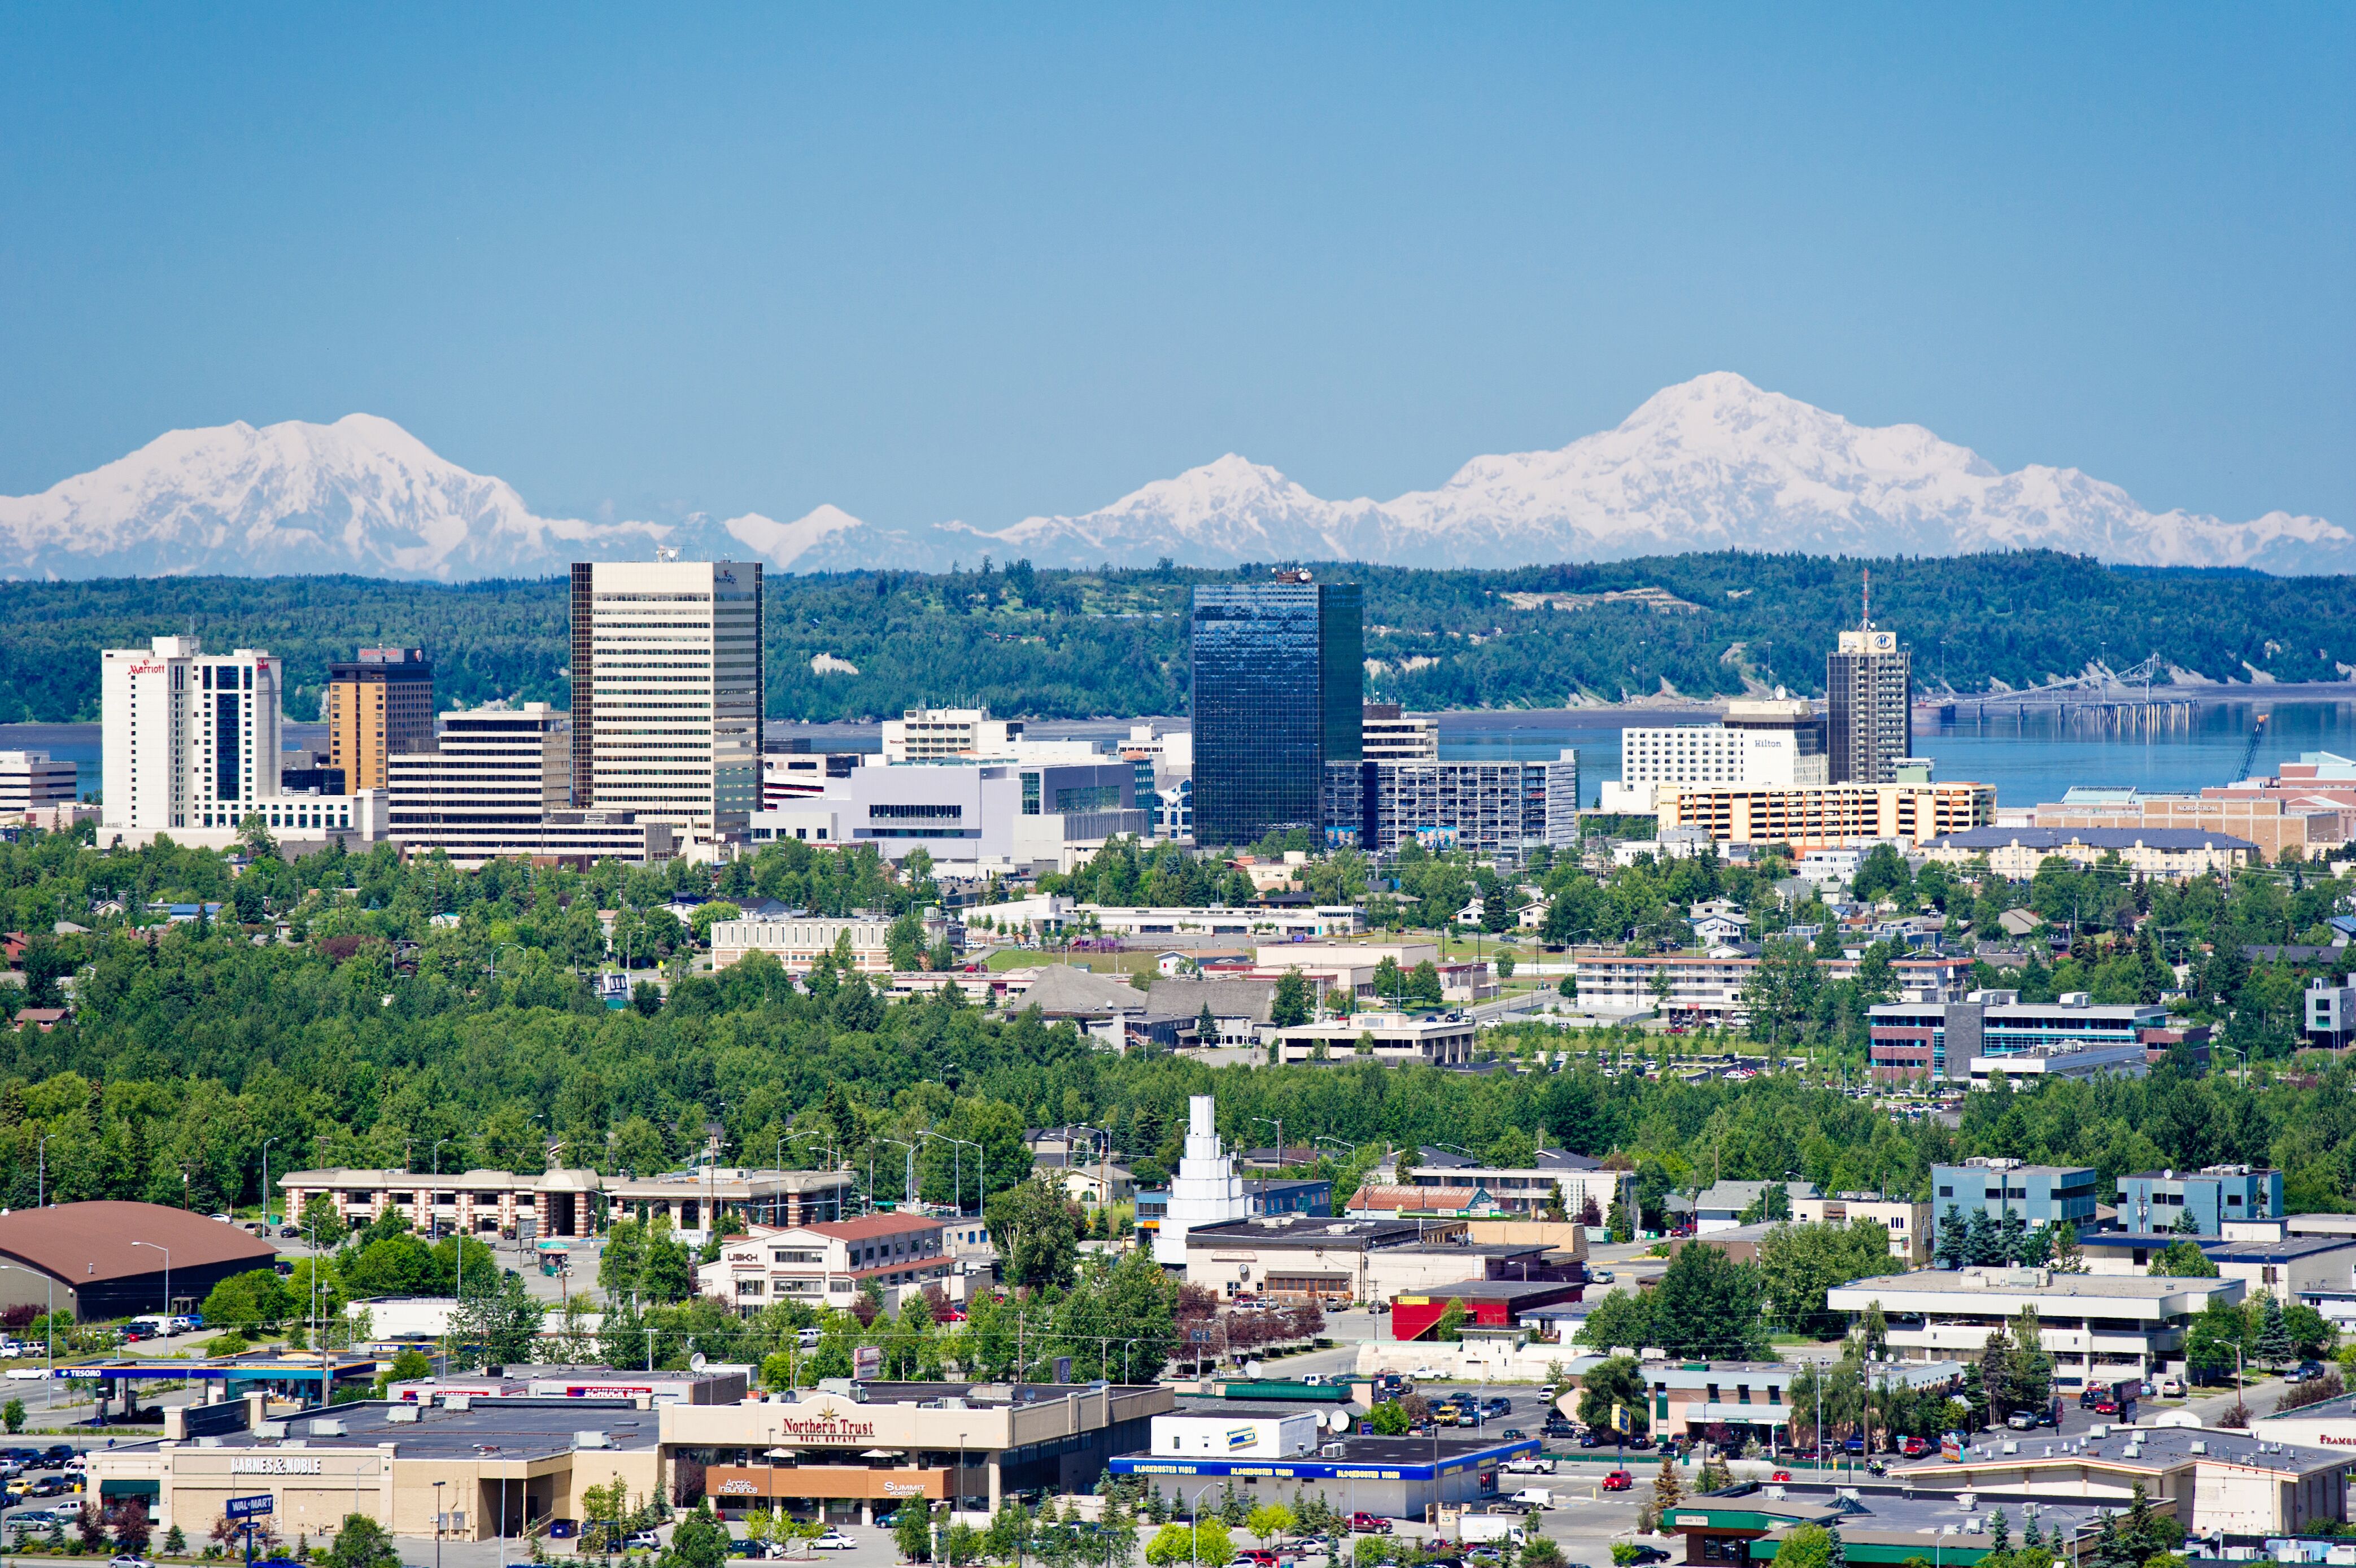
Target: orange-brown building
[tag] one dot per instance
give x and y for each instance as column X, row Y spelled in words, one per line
column 380, row 703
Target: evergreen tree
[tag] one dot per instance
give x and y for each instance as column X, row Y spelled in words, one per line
column 1999, row 1532
column 2013, row 1238
column 1986, row 1244
column 2032, row 1538
column 1975, row 1398
column 1837, row 1556
column 1954, row 1238
column 2274, row 1348
column 1995, row 1374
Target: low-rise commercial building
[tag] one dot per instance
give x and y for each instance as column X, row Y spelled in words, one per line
column 2038, row 1194
column 1487, row 1303
column 828, row 1263
column 2293, row 1268
column 1722, row 1205
column 1918, row 1042
column 1296, row 1257
column 568, row 1202
column 800, row 941
column 1908, row 1222
column 1881, row 1526
column 110, row 1259
column 1391, row 1039
column 2221, row 1482
column 491, row 1468
column 972, row 818
column 2169, row 854
column 1557, row 1178
column 1394, row 1477
column 1733, row 1403
column 2209, row 1197
column 2096, row 1328
column 847, row 1449
column 2076, row 1063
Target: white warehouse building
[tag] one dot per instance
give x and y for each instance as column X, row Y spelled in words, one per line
column 972, row 818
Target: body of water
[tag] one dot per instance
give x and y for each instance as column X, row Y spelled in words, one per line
column 2029, row 759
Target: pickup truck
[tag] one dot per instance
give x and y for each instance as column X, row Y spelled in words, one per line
column 1370, row 1524
column 1489, row 1527
column 1530, row 1465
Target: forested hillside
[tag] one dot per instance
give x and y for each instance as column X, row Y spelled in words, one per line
column 1069, row 645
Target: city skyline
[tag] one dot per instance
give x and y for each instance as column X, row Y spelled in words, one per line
column 938, row 267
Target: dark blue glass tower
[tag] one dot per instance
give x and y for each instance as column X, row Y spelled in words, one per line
column 1278, row 677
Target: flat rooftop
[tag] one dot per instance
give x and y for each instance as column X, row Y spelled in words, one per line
column 2026, row 1282
column 487, row 1429
column 2156, row 1448
column 1870, row 1511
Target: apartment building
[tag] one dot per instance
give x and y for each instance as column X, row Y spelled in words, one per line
column 1808, row 817
column 2169, row 854
column 667, row 690
column 1497, row 809
column 1387, row 735
column 939, row 734
column 2270, row 822
column 1707, row 986
column 827, row 1264
column 379, row 703
column 566, row 1203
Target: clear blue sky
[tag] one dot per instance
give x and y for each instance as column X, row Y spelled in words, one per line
column 981, row 262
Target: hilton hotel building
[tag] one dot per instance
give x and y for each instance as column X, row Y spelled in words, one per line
column 666, row 691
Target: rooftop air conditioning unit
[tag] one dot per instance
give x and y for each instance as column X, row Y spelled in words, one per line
column 1967, row 1501
column 2200, row 1446
column 403, row 1415
column 327, row 1429
column 1335, row 1450
column 270, row 1429
column 590, row 1440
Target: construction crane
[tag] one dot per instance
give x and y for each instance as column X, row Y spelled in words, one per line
column 2250, row 753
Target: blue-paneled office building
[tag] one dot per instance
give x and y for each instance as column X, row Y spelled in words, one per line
column 2040, row 1194
column 2212, row 1197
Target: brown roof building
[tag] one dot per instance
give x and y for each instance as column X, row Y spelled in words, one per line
column 110, row 1260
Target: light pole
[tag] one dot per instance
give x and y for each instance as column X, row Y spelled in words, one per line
column 1194, row 1523
column 909, row 1186
column 41, row 1180
column 438, row 1517
column 266, row 1220
column 167, row 1281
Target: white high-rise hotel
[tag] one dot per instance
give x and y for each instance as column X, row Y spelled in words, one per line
column 191, row 738
column 667, row 690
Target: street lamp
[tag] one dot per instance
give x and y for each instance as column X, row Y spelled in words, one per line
column 167, row 1281
column 438, row 1518
column 909, row 1187
column 265, row 1180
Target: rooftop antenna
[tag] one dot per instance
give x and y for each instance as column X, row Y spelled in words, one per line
column 1868, row 626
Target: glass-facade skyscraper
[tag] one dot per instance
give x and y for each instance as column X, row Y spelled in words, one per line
column 1278, row 680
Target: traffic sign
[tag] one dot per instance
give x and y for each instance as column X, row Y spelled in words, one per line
column 248, row 1507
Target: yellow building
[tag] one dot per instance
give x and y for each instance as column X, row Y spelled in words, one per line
column 380, row 703
column 1808, row 817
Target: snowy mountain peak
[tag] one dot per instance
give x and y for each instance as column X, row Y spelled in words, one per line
column 1713, row 462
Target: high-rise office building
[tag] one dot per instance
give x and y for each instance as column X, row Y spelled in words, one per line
column 1278, row 675
column 1869, row 706
column 190, row 737
column 1388, row 735
column 379, row 703
column 667, row 690
column 488, row 765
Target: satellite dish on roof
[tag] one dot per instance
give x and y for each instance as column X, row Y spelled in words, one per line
column 695, row 1362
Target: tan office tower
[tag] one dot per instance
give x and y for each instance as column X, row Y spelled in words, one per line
column 380, row 703
column 1869, row 703
column 667, row 690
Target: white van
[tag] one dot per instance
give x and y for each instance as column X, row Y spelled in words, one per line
column 1535, row 1497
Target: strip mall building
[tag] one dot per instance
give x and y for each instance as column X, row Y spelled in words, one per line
column 498, row 1464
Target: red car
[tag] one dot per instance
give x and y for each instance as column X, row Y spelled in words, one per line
column 1370, row 1523
column 1259, row 1557
column 2106, row 1405
column 1781, row 1475
column 1619, row 1481
column 1915, row 1448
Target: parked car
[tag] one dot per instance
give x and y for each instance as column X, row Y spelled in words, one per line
column 1914, row 1447
column 1370, row 1524
column 1422, row 1373
column 2106, row 1405
column 1590, row 1438
column 1619, row 1481
column 642, row 1540
column 2171, row 1387
column 1781, row 1475
column 2307, row 1370
column 1637, row 1551
column 1558, row 1426
column 833, row 1540
column 1530, row 1465
column 2022, row 1421
column 288, row 1232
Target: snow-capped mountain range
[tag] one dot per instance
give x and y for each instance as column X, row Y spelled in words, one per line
column 1711, row 464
